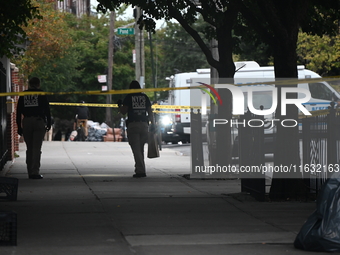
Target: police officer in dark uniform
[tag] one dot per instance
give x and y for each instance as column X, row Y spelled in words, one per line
column 82, row 114
column 138, row 108
column 33, row 120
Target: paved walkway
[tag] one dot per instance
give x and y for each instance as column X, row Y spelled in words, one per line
column 88, row 203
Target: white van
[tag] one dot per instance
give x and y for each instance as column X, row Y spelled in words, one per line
column 321, row 92
column 247, row 72
column 186, row 97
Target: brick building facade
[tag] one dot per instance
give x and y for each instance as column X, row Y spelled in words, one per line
column 17, row 85
column 76, row 7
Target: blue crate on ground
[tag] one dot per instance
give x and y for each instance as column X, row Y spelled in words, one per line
column 8, row 188
column 8, row 228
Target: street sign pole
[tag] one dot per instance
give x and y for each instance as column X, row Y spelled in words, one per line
column 108, row 116
column 139, row 47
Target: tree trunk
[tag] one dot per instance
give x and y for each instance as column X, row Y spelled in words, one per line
column 287, row 138
column 226, row 71
column 277, row 22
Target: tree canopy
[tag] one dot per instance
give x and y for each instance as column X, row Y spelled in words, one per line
column 68, row 53
column 219, row 21
column 49, row 40
column 319, row 53
column 14, row 16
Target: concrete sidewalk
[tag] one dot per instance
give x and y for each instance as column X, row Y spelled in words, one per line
column 88, row 203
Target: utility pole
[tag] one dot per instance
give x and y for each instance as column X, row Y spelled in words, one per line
column 153, row 68
column 109, row 72
column 212, row 147
column 139, row 47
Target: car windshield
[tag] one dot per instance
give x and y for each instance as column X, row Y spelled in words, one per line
column 260, row 98
column 320, row 91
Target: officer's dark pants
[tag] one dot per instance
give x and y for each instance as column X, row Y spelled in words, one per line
column 137, row 133
column 34, row 132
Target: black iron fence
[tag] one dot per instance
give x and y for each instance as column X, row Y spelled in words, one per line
column 319, row 150
column 320, row 142
column 3, row 118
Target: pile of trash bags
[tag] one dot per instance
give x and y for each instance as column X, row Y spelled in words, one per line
column 96, row 132
column 99, row 133
column 321, row 231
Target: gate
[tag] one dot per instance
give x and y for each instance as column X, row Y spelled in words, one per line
column 319, row 150
column 320, row 147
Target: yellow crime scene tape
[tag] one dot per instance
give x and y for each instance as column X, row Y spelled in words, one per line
column 155, row 106
column 155, row 111
column 84, row 104
column 173, row 107
column 96, row 92
column 128, row 91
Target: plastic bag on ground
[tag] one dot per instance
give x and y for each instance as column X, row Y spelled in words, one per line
column 321, row 231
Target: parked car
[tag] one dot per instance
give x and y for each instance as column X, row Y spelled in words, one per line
column 166, row 126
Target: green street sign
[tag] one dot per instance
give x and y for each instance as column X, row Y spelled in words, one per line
column 126, row 31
